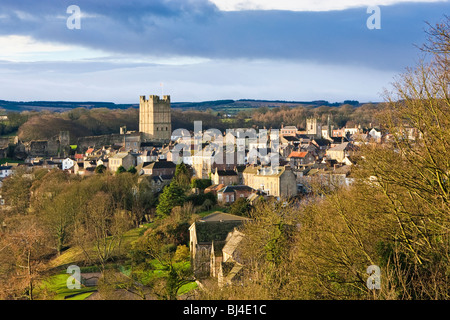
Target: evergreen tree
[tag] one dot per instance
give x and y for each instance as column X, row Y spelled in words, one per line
column 182, row 175
column 241, row 207
column 172, row 196
column 120, row 169
column 100, row 169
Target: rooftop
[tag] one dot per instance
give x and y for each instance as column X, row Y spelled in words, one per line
column 220, row 217
column 234, row 188
column 297, row 154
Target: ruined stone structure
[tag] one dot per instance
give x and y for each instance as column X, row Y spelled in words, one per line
column 56, row 146
column 155, row 122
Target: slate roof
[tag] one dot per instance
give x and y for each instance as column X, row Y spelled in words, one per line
column 220, row 216
column 120, row 155
column 232, row 242
column 291, row 138
column 234, row 188
column 215, row 230
column 160, row 165
column 322, row 142
column 227, row 173
column 340, row 147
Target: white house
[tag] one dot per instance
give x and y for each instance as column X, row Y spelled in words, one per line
column 67, row 163
column 5, row 171
column 376, row 135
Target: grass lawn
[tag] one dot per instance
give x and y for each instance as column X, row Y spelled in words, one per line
column 157, row 270
column 187, row 287
column 56, row 287
column 5, row 160
column 214, row 209
column 75, row 254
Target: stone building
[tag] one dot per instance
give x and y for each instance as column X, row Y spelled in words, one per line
column 313, row 128
column 226, row 177
column 208, row 236
column 159, row 168
column 154, row 118
column 279, row 181
column 230, row 194
column 299, row 160
column 123, row 159
column 341, row 151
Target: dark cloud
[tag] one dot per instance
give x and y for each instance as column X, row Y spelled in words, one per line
column 198, row 28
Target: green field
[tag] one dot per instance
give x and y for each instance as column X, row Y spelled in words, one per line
column 55, row 288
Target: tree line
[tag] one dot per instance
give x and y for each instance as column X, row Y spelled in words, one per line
column 100, row 121
column 395, row 216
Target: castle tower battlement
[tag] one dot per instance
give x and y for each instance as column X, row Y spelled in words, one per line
column 155, row 122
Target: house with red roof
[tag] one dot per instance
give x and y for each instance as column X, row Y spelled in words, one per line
column 300, row 159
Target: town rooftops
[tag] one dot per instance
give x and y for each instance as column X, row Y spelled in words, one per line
column 160, row 165
column 221, row 216
column 340, row 147
column 232, row 242
column 226, row 173
column 297, row 154
column 216, row 226
column 120, row 155
column 236, row 188
column 322, row 142
column 214, row 187
column 291, row 138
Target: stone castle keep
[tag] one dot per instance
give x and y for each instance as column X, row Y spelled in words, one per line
column 155, row 122
column 155, row 127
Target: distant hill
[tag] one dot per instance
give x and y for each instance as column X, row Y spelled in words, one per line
column 58, row 106
column 100, row 118
column 230, row 106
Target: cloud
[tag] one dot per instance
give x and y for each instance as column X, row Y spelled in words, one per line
column 305, row 5
column 201, row 52
column 197, row 28
column 207, row 80
column 25, row 48
column 203, row 31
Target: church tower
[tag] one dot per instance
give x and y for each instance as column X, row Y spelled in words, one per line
column 155, row 123
column 313, row 128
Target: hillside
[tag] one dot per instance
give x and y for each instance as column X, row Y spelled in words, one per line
column 38, row 120
column 217, row 105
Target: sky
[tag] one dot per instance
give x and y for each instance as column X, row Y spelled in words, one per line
column 198, row 50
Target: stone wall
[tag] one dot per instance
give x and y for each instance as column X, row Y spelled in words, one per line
column 56, row 146
column 84, row 143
